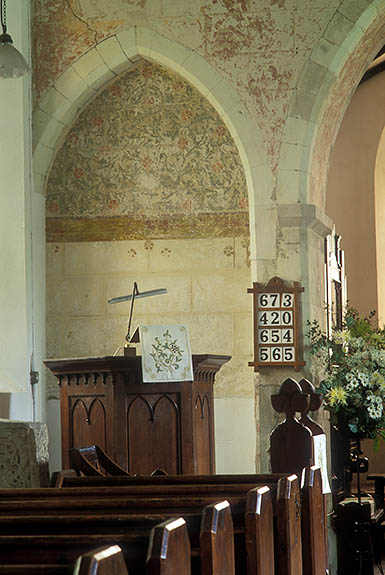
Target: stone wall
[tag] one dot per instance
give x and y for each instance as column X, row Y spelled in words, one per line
column 148, row 187
column 23, row 454
column 279, row 72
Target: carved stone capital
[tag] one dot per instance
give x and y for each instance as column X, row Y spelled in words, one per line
column 304, row 216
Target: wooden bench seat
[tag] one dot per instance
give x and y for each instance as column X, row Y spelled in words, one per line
column 67, row 479
column 137, row 549
column 81, row 522
column 66, row 515
column 101, row 509
column 36, row 569
column 167, row 552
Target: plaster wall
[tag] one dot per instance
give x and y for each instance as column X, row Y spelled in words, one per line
column 354, row 198
column 379, row 185
column 14, row 304
column 150, row 183
column 280, row 73
column 273, row 69
column 22, row 262
column 207, row 282
column 356, row 203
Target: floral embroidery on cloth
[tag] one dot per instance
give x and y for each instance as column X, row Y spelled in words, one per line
column 166, row 354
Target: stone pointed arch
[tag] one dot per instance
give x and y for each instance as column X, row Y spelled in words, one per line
column 322, row 94
column 74, row 89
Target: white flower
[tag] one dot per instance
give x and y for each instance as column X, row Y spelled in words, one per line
column 350, row 386
column 352, row 381
column 339, row 337
column 375, row 412
column 356, row 343
column 363, row 378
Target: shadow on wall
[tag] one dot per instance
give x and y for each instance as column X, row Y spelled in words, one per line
column 5, row 400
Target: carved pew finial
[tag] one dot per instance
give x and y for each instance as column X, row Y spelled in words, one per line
column 291, row 447
column 169, row 549
column 315, row 401
column 101, row 561
column 290, row 398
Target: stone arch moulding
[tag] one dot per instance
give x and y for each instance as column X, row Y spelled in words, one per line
column 61, row 103
column 323, row 92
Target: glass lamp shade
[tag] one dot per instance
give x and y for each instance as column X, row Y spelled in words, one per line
column 12, row 62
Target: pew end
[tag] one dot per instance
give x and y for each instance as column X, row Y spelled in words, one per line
column 217, row 540
column 259, row 532
column 58, row 478
column 169, row 549
column 314, row 528
column 103, row 561
column 289, row 543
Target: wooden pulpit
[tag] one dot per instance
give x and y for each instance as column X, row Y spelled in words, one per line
column 142, row 426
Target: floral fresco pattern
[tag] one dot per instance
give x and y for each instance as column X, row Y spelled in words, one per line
column 149, row 151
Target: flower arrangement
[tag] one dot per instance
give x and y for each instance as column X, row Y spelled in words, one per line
column 351, row 368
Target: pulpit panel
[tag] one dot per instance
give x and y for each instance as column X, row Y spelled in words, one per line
column 153, row 433
column 203, row 437
column 142, row 426
column 88, row 421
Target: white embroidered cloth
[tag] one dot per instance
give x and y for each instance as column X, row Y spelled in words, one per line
column 166, row 354
column 320, row 460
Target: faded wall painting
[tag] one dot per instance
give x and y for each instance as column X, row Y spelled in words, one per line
column 149, row 158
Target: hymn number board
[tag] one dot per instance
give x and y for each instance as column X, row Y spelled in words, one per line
column 276, row 325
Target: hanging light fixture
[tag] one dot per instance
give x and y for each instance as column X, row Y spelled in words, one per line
column 12, row 62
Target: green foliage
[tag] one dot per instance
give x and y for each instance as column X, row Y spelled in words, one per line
column 351, row 367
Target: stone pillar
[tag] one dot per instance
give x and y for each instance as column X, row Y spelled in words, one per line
column 298, row 255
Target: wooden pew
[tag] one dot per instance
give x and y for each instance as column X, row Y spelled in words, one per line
column 289, row 514
column 92, row 504
column 259, row 532
column 93, row 461
column 217, row 540
column 34, row 519
column 68, row 478
column 168, row 553
column 36, row 569
column 315, row 550
column 72, row 508
column 63, row 537
column 156, row 485
column 103, row 561
column 169, row 549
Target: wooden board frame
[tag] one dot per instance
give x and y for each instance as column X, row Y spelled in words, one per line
column 277, row 314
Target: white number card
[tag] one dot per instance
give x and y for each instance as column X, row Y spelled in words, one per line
column 269, row 300
column 277, row 321
column 287, row 300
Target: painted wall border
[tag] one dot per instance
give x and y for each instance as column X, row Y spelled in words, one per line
column 61, row 103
